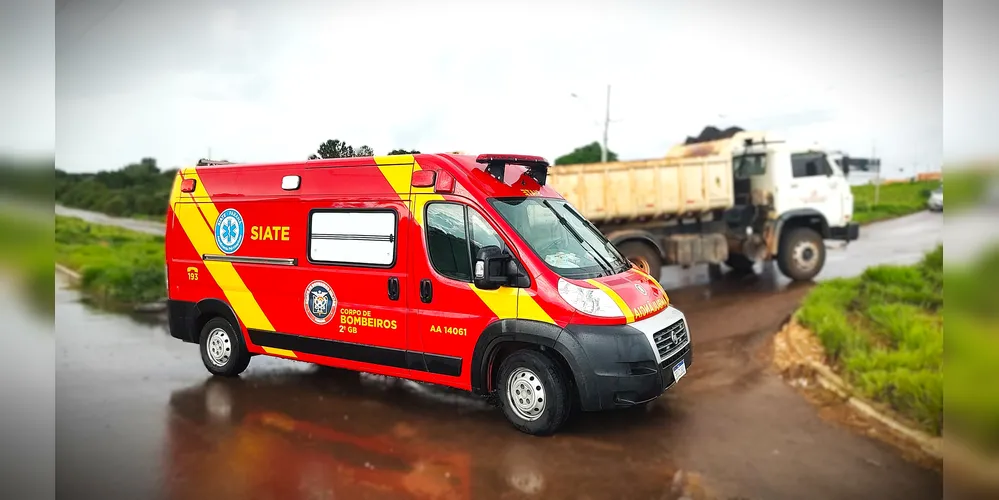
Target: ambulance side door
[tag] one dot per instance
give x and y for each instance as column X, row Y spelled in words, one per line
column 447, row 312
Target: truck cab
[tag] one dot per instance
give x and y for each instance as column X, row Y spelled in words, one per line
column 789, row 199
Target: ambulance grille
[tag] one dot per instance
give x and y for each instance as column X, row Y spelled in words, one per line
column 671, row 339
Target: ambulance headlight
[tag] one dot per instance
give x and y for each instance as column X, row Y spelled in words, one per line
column 592, row 301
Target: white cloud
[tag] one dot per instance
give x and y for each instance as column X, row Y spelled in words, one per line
column 271, row 82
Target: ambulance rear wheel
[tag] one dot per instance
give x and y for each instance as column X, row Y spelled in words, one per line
column 533, row 393
column 222, row 349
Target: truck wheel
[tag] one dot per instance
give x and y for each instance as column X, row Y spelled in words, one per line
column 533, row 393
column 222, row 350
column 802, row 254
column 644, row 256
column 740, row 263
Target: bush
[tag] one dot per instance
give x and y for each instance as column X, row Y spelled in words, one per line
column 884, row 332
column 117, row 265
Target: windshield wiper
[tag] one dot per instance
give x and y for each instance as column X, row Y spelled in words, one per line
column 606, row 266
column 607, row 245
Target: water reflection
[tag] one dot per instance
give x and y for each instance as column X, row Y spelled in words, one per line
column 329, row 434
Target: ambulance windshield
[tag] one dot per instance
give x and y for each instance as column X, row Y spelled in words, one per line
column 567, row 242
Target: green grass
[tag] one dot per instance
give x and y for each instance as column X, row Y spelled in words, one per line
column 26, row 252
column 116, row 265
column 883, row 332
column 966, row 188
column 895, row 200
column 972, row 348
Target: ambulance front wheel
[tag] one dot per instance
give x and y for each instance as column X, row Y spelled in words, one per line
column 222, row 350
column 533, row 393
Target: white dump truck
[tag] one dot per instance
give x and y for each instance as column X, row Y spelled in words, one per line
column 739, row 200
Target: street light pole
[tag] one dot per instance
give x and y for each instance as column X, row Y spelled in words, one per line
column 877, row 182
column 603, row 152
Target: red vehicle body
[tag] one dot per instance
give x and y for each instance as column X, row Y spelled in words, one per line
column 457, row 270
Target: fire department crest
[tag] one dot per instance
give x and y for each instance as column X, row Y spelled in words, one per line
column 320, row 302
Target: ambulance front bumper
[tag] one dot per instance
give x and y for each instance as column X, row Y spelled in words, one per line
column 626, row 365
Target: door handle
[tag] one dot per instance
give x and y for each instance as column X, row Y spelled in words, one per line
column 426, row 291
column 393, row 288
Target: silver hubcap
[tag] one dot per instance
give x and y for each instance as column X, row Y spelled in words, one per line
column 219, row 347
column 806, row 255
column 526, row 394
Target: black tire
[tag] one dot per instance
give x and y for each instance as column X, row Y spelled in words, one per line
column 740, row 263
column 238, row 357
column 802, row 254
column 638, row 252
column 532, row 370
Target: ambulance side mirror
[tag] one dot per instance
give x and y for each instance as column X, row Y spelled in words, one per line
column 492, row 268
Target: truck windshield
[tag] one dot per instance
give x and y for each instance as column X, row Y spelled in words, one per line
column 561, row 237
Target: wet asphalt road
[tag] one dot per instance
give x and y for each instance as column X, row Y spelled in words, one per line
column 142, row 226
column 139, row 417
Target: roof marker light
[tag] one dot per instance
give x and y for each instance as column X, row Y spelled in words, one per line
column 187, row 186
column 445, row 183
column 424, row 178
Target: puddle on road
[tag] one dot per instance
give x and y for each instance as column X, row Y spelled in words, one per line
column 323, row 434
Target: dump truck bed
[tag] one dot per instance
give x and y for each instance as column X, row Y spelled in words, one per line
column 690, row 179
column 657, row 188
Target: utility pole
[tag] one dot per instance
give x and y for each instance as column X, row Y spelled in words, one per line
column 603, row 152
column 877, row 181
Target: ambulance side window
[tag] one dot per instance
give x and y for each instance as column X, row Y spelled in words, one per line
column 482, row 233
column 447, row 242
column 363, row 238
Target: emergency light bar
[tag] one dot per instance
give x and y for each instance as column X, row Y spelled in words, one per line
column 537, row 167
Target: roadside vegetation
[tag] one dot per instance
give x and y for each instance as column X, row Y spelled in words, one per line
column 117, row 266
column 967, row 188
column 883, row 331
column 28, row 256
column 136, row 190
column 895, row 200
column 972, row 405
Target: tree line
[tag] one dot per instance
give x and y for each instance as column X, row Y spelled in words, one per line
column 142, row 188
column 136, row 189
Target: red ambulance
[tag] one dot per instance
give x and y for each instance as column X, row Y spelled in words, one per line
column 459, row 270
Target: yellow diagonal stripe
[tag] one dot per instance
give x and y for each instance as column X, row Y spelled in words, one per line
column 654, row 282
column 202, row 237
column 528, row 308
column 398, row 171
column 621, row 304
column 280, row 352
column 502, row 301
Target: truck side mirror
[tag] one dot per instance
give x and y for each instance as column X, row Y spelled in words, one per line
column 492, row 268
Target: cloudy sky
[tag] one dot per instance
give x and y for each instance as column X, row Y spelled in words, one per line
column 269, row 80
